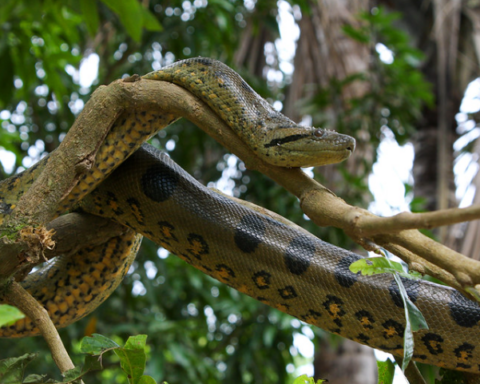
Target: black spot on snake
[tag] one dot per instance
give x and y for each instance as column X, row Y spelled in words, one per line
column 464, row 353
column 249, row 233
column 392, row 329
column 199, row 246
column 136, row 210
column 420, row 357
column 334, row 307
column 224, row 271
column 262, row 279
column 411, row 286
column 262, row 299
column 310, row 316
column 433, row 342
column 363, row 338
column 159, row 182
column 112, row 202
column 298, row 254
column 365, row 318
column 466, row 313
column 343, row 275
column 167, row 232
column 287, row 292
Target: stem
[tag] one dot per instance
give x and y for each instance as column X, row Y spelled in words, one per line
column 18, row 296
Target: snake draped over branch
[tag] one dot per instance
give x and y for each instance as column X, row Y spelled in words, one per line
column 268, row 259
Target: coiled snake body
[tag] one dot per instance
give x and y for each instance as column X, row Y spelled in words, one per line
column 256, row 254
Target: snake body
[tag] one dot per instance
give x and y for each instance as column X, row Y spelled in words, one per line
column 256, row 254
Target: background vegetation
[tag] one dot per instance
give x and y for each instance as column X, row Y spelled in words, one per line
column 200, row 330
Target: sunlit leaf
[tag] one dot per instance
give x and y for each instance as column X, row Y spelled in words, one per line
column 386, row 371
column 375, row 265
column 9, row 315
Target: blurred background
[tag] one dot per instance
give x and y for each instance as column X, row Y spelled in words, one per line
column 398, row 75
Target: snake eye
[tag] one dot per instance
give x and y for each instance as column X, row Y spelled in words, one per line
column 319, row 133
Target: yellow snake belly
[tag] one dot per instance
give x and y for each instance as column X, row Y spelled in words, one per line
column 268, row 260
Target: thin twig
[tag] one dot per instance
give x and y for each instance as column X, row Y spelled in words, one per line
column 19, row 297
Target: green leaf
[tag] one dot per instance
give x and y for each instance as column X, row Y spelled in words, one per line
column 133, row 357
column 414, row 321
column 386, row 371
column 12, row 369
column 304, row 379
column 90, row 13
column 97, row 344
column 357, row 34
column 147, row 380
column 150, row 22
column 136, row 342
column 9, row 315
column 375, row 265
column 91, row 363
column 38, row 379
column 130, row 14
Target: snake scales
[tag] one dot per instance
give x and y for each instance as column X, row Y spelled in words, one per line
column 256, row 254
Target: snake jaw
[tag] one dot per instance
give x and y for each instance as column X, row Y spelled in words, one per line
column 298, row 146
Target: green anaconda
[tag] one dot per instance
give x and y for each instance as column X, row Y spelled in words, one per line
column 275, row 263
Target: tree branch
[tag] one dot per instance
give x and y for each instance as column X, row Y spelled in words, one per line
column 407, row 220
column 39, row 316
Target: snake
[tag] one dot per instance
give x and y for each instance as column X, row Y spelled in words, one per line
column 250, row 250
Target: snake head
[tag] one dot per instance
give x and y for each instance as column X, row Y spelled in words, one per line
column 298, row 146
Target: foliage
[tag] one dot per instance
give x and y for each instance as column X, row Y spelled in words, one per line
column 132, row 359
